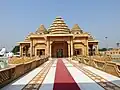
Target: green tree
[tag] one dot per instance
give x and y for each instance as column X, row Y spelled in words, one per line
column 16, row 49
column 103, row 49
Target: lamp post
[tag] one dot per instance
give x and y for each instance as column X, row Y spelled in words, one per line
column 106, row 43
column 117, row 44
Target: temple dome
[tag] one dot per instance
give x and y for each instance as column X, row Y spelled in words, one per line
column 41, row 29
column 59, row 26
column 76, row 29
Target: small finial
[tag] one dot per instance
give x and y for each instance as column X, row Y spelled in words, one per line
column 58, row 17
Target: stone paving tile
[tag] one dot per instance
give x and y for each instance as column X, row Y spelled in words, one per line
column 98, row 79
column 36, row 82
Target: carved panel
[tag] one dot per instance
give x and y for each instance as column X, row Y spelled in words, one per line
column 38, row 45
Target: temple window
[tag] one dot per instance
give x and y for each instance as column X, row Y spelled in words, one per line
column 40, row 52
column 78, row 52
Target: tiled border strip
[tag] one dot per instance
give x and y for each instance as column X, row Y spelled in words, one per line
column 36, row 82
column 107, row 85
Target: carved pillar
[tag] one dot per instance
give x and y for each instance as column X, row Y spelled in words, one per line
column 21, row 50
column 35, row 51
column 93, row 50
column 25, row 50
column 71, row 47
column 87, row 48
column 31, row 48
column 46, row 43
column 47, row 48
column 96, row 50
column 50, row 49
column 68, row 48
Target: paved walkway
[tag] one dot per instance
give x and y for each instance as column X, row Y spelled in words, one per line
column 62, row 74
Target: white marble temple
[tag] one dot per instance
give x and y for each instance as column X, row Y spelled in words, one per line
column 83, row 81
column 49, row 79
column 21, row 82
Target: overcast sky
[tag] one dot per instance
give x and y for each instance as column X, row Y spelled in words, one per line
column 99, row 17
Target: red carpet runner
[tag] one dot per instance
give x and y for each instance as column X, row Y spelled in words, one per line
column 63, row 79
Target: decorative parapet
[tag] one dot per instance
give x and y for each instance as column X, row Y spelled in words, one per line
column 13, row 72
column 102, row 63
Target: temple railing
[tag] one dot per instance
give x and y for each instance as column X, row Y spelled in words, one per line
column 115, row 57
column 103, row 63
column 16, row 70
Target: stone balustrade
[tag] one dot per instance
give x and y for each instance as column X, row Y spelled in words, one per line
column 102, row 63
column 16, row 70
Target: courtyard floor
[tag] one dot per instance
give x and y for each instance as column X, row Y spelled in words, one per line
column 63, row 74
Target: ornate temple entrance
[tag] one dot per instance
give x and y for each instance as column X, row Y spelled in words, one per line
column 59, row 49
column 59, row 53
column 59, row 41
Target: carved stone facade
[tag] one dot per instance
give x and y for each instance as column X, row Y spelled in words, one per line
column 114, row 51
column 59, row 41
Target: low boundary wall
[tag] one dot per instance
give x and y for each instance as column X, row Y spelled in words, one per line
column 15, row 71
column 104, row 63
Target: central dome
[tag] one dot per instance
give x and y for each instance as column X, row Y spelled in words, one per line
column 59, row 27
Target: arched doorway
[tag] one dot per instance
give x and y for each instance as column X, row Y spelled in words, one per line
column 59, row 49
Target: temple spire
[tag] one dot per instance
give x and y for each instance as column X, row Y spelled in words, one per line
column 41, row 29
column 59, row 26
column 76, row 28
